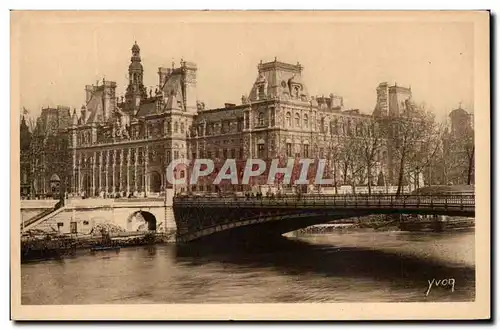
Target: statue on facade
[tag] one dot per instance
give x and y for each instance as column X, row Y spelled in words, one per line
column 117, row 127
column 125, row 133
column 244, row 99
column 200, row 105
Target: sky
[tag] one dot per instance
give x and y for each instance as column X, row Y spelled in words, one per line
column 59, row 57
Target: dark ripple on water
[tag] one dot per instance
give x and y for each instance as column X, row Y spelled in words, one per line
column 357, row 267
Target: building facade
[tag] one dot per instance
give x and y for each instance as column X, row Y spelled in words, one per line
column 459, row 149
column 122, row 145
column 44, row 154
column 25, row 159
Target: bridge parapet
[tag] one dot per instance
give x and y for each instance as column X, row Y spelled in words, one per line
column 205, row 215
column 111, row 203
column 38, row 203
column 350, row 201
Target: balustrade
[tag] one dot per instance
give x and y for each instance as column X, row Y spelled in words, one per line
column 346, row 201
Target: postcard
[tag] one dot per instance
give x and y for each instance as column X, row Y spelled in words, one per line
column 250, row 165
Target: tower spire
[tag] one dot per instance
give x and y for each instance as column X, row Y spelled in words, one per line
column 136, row 91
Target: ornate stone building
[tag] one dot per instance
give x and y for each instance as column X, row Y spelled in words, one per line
column 458, row 149
column 123, row 145
column 25, row 158
column 391, row 102
column 44, row 154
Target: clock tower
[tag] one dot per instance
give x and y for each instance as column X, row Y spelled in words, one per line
column 136, row 91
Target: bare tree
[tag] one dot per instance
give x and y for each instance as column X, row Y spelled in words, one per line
column 425, row 151
column 350, row 160
column 334, row 151
column 459, row 156
column 407, row 133
column 369, row 144
column 470, row 150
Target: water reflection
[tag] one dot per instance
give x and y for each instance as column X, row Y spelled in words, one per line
column 292, row 257
column 376, row 267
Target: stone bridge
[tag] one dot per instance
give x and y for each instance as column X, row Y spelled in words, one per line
column 79, row 216
column 199, row 217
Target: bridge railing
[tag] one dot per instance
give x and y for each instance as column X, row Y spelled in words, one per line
column 400, row 201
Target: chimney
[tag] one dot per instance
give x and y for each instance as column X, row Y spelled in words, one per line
column 162, row 76
column 109, row 99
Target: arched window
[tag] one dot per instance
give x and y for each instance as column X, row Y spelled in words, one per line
column 297, row 120
column 176, row 127
column 182, row 127
column 322, row 128
column 261, row 119
column 288, row 121
column 306, row 121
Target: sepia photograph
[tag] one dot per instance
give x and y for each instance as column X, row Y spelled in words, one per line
column 250, row 165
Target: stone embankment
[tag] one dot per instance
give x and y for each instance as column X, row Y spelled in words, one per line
column 51, row 246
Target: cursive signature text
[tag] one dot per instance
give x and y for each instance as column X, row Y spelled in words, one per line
column 450, row 282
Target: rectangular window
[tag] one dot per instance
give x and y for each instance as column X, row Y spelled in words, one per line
column 306, row 150
column 139, row 156
column 261, row 151
column 193, row 156
column 216, row 153
column 321, row 152
column 225, row 126
column 241, row 153
column 209, row 154
column 176, row 154
column 224, row 153
column 289, row 150
column 233, row 153
column 240, row 125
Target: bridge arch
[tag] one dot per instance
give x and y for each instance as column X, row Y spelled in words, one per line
column 141, row 221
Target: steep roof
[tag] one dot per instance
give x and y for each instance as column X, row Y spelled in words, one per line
column 147, row 109
column 172, row 89
column 95, row 107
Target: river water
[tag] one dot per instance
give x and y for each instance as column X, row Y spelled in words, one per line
column 335, row 267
